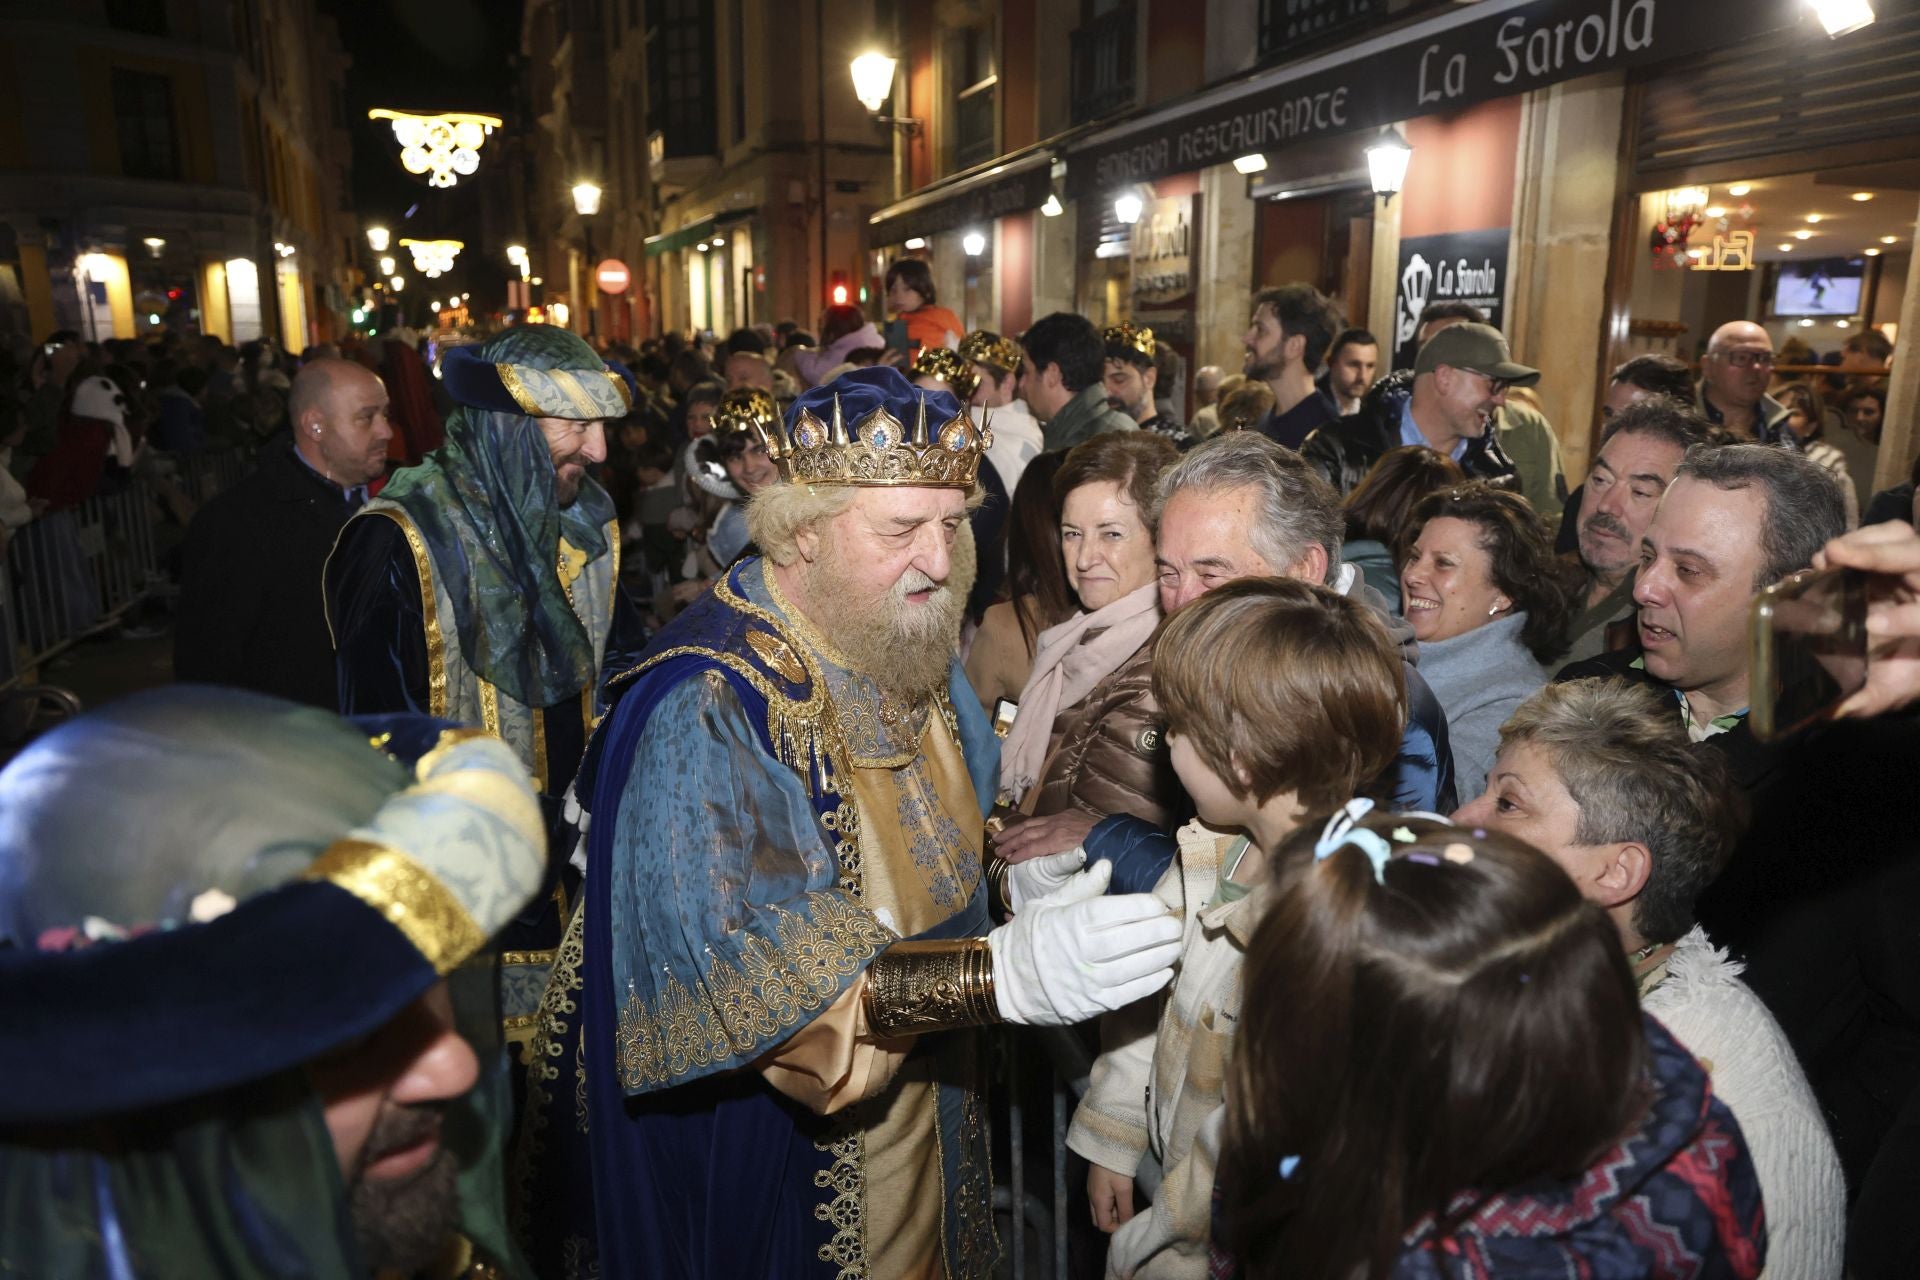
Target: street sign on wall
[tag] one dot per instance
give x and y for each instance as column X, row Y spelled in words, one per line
column 1458, row 266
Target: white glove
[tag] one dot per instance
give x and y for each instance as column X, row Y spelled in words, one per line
column 1077, row 953
column 1035, row 878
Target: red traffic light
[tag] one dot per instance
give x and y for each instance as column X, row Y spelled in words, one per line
column 838, row 293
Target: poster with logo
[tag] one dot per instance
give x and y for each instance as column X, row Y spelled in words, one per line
column 1459, row 266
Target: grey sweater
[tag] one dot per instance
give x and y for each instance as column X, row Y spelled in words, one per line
column 1480, row 677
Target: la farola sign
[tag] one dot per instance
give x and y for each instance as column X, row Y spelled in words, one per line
column 1434, row 69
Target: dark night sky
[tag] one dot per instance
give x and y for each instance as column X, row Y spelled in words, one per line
column 443, row 55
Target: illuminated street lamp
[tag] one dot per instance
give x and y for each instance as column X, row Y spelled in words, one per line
column 1387, row 163
column 386, row 265
column 377, row 239
column 873, row 79
column 586, row 203
column 398, row 283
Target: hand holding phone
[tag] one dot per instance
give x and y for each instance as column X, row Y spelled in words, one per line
column 1889, row 556
column 1808, row 644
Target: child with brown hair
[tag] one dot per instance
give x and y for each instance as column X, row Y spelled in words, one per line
column 1281, row 699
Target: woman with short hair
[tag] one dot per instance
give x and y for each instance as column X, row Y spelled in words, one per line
column 1599, row 776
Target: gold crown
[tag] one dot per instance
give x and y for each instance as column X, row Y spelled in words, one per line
column 1126, row 337
column 949, row 367
column 878, row 450
column 744, row 407
column 992, row 350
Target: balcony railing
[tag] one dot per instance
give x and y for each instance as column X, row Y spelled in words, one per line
column 1288, row 27
column 1103, row 64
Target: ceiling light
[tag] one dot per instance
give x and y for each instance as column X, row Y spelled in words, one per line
column 703, row 246
column 1739, row 188
column 1052, row 208
column 915, row 242
column 1249, row 163
column 1840, row 324
column 1787, row 248
column 1889, row 239
column 1863, row 196
column 1872, row 253
column 1841, row 16
column 1716, row 211
column 1813, row 218
column 1803, row 235
column 1806, row 322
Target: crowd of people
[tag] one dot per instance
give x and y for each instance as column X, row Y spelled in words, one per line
column 734, row 730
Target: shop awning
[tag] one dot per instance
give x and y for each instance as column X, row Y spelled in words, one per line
column 1016, row 184
column 693, row 233
column 1441, row 63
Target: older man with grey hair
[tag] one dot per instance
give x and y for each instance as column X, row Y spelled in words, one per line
column 1241, row 506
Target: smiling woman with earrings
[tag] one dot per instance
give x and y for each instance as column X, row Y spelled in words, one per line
column 1489, row 605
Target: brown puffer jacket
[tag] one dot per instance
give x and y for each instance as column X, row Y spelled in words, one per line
column 1108, row 752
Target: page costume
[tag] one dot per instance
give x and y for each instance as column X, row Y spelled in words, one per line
column 181, row 876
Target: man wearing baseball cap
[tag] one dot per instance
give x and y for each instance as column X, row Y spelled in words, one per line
column 1460, row 379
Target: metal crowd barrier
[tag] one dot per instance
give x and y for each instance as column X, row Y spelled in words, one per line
column 1045, row 1071
column 76, row 573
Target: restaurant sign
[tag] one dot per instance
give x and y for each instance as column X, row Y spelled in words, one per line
column 1431, row 70
column 1460, row 266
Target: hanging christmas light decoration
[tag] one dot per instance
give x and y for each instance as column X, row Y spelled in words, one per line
column 444, row 147
column 433, row 258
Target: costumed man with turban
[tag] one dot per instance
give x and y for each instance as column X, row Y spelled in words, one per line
column 482, row 586
column 755, row 1057
column 246, row 1033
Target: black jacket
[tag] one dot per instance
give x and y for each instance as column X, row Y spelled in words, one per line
column 1344, row 451
column 252, row 612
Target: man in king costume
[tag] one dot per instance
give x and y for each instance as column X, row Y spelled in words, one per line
column 755, row 1057
column 482, row 585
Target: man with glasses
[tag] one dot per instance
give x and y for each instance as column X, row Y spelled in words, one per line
column 1733, row 385
column 1460, row 380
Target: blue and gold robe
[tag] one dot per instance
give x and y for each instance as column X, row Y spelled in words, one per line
column 704, row 1098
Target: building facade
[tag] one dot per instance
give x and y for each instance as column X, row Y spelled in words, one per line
column 1160, row 160
column 174, row 165
column 738, row 170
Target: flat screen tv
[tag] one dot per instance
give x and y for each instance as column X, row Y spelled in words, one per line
column 1819, row 287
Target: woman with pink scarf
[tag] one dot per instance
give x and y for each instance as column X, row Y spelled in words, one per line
column 1087, row 740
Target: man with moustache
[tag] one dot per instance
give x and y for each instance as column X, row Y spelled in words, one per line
column 1132, row 379
column 1640, row 448
column 251, row 610
column 482, row 586
column 754, row 1057
column 249, row 1029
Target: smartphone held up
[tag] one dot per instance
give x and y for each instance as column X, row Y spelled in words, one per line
column 1807, row 636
